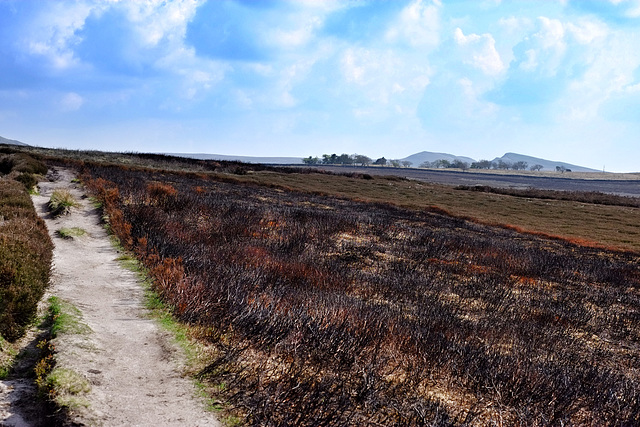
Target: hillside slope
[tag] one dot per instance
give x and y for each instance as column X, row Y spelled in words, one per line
column 548, row 165
column 428, row 156
column 11, row 142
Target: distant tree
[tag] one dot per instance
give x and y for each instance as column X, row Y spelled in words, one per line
column 329, row 159
column 536, row 167
column 459, row 164
column 381, row 162
column 519, row 166
column 441, row 163
column 406, row 163
column 311, row 160
column 361, row 160
column 344, row 159
column 500, row 164
column 561, row 169
column 426, row 165
column 482, row 164
column 395, row 163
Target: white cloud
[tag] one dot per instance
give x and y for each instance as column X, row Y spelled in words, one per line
column 71, row 102
column 610, row 75
column 389, row 82
column 531, row 62
column 632, row 9
column 357, row 64
column 155, row 20
column 551, row 34
column 544, row 50
column 51, row 34
column 480, row 52
column 298, row 36
column 418, row 24
column 586, row 32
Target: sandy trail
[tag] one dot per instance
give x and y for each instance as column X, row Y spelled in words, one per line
column 132, row 365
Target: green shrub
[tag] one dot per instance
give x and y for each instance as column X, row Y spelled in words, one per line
column 6, row 164
column 25, row 259
column 21, row 162
column 27, row 164
column 27, row 179
column 61, row 202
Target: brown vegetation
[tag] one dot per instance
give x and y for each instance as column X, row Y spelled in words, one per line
column 571, row 216
column 329, row 311
column 25, row 259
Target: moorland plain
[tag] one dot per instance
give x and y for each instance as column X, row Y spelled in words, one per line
column 330, row 311
column 362, row 300
column 607, row 225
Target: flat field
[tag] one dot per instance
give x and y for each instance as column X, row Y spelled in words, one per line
column 552, row 213
column 350, row 310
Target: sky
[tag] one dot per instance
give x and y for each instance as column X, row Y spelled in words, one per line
column 556, row 79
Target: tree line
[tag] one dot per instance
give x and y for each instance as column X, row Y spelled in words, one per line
column 362, row 160
column 355, row 160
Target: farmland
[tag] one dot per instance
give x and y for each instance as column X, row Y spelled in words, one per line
column 327, row 310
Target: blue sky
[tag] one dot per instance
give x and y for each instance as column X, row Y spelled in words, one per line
column 558, row 79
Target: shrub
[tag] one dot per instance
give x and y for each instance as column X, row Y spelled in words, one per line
column 21, row 162
column 61, row 202
column 25, row 259
column 27, row 179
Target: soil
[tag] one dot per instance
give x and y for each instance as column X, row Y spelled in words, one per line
column 133, row 366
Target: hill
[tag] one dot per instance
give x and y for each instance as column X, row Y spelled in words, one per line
column 416, row 159
column 548, row 165
column 11, row 142
column 428, row 156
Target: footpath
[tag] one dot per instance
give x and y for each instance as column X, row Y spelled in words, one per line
column 132, row 367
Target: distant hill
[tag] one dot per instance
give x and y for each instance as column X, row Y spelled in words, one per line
column 416, row 159
column 548, row 165
column 11, row 141
column 245, row 159
column 428, row 156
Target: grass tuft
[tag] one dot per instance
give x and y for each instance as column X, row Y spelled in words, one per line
column 8, row 354
column 66, row 318
column 64, row 387
column 70, row 233
column 61, row 202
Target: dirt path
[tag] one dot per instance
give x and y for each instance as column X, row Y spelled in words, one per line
column 131, row 364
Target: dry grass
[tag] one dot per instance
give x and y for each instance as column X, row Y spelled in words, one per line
column 610, row 226
column 325, row 311
column 61, row 202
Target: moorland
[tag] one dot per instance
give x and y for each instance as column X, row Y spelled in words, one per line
column 355, row 299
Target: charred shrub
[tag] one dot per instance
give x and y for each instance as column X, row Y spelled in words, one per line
column 327, row 311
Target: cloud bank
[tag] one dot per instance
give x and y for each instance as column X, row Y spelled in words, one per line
column 554, row 79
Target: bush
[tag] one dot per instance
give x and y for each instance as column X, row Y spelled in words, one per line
column 27, row 179
column 61, row 202
column 25, row 259
column 20, row 162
